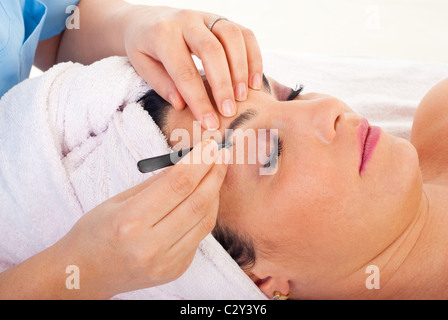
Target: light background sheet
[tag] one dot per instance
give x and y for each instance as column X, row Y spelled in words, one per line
column 397, row 29
column 405, row 29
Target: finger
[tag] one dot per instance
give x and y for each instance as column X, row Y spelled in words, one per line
column 196, row 214
column 166, row 193
column 207, row 47
column 188, row 81
column 254, row 59
column 231, row 37
column 188, row 244
column 185, row 248
column 158, row 78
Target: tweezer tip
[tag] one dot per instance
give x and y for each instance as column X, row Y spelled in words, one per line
column 226, row 144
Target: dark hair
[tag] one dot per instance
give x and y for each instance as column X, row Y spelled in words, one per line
column 157, row 108
column 240, row 248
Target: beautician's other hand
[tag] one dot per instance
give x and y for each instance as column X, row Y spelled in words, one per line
column 159, row 42
column 148, row 235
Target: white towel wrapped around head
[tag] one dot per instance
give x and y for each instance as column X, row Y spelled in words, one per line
column 71, row 139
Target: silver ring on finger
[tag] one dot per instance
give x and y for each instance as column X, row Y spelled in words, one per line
column 210, row 26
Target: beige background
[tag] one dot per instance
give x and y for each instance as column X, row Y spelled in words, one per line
column 404, row 29
column 398, row 29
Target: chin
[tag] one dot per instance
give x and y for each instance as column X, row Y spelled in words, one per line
column 393, row 175
column 396, row 157
column 393, row 192
column 404, row 182
column 407, row 159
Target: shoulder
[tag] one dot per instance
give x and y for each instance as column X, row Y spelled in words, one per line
column 430, row 132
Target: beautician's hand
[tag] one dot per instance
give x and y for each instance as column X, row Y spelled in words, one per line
column 159, row 42
column 148, row 235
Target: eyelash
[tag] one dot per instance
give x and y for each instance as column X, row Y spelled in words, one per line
column 273, row 159
column 295, row 92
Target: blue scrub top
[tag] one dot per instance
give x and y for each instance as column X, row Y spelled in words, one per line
column 23, row 23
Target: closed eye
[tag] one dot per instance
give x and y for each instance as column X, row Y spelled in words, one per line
column 279, row 89
column 295, row 92
column 275, row 154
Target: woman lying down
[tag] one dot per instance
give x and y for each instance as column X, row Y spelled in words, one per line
column 347, row 206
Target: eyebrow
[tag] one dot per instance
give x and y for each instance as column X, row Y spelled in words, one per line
column 247, row 115
column 239, row 121
column 244, row 117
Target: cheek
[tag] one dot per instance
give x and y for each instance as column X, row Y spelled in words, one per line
column 316, row 203
column 238, row 196
column 316, row 211
column 393, row 191
column 342, row 221
column 318, row 187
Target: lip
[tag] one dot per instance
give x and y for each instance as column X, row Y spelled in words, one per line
column 368, row 137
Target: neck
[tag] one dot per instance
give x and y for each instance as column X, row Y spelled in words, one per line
column 415, row 266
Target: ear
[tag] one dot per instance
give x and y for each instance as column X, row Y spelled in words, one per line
column 268, row 285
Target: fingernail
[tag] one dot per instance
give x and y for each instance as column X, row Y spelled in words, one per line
column 256, row 81
column 228, row 108
column 211, row 121
column 206, row 142
column 241, row 92
column 209, row 152
column 172, row 99
column 211, row 145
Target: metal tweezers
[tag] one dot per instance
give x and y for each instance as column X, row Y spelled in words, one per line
column 166, row 160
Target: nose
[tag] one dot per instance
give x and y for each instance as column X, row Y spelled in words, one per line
column 326, row 112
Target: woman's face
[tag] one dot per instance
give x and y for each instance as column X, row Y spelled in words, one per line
column 318, row 219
